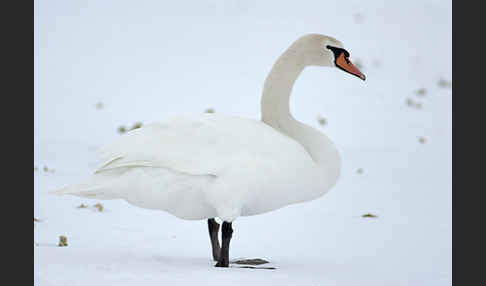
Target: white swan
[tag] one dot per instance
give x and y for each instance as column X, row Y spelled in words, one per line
column 214, row 165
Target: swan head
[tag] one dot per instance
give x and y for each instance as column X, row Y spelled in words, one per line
column 320, row 50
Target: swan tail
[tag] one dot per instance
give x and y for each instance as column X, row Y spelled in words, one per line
column 92, row 188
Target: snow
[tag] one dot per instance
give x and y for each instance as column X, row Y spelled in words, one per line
column 148, row 60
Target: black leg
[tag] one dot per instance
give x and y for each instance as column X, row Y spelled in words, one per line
column 227, row 231
column 213, row 228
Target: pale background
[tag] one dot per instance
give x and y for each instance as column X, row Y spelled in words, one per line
column 147, row 60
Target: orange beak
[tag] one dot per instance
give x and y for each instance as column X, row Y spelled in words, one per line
column 343, row 63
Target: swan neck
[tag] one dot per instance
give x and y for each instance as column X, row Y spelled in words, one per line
column 275, row 102
column 276, row 112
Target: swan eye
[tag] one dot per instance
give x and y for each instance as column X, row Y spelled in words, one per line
column 338, row 51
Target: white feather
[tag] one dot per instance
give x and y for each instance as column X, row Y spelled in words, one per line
column 208, row 165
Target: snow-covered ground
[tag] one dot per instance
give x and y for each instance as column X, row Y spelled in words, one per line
column 147, row 60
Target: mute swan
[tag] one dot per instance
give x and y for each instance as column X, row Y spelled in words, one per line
column 213, row 165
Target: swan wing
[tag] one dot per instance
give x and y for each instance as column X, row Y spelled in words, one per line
column 206, row 144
